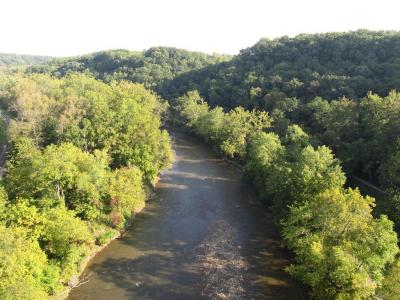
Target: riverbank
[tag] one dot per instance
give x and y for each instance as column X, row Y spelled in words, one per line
column 77, row 280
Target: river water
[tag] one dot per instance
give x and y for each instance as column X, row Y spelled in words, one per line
column 204, row 236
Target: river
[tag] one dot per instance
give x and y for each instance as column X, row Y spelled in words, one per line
column 204, row 236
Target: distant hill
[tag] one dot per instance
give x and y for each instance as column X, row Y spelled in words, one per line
column 7, row 59
column 151, row 67
column 330, row 65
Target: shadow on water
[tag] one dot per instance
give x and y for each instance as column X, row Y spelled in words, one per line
column 204, row 237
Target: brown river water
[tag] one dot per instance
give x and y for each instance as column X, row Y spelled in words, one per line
column 204, row 236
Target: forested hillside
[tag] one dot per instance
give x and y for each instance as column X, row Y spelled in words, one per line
column 152, row 67
column 82, row 156
column 328, row 65
column 17, row 59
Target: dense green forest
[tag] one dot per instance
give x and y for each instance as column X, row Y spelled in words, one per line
column 300, row 114
column 82, row 156
column 152, row 67
column 17, row 59
column 300, row 80
column 321, row 82
column 329, row 65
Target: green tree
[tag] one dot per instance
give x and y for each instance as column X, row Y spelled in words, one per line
column 29, row 104
column 22, row 214
column 390, row 289
column 22, row 266
column 341, row 250
column 297, row 178
column 61, row 172
column 209, row 126
column 127, row 194
column 238, row 125
column 66, row 239
column 191, row 108
column 264, row 152
column 3, row 203
column 121, row 118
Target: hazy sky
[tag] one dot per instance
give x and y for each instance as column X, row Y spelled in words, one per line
column 71, row 27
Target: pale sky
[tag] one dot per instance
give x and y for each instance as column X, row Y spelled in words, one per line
column 72, row 27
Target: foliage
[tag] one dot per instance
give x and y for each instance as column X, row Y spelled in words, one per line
column 341, row 250
column 228, row 131
column 309, row 173
column 191, row 108
column 238, row 125
column 122, row 119
column 314, row 80
column 390, row 288
column 151, row 67
column 22, row 214
column 329, row 65
column 126, row 192
column 264, row 152
column 63, row 238
column 3, row 203
column 22, row 266
column 81, row 152
column 7, row 59
column 3, row 132
column 104, row 238
column 65, row 173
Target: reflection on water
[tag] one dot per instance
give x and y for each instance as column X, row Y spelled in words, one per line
column 203, row 237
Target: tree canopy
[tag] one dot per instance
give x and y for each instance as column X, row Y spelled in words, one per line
column 81, row 154
column 8, row 59
column 152, row 67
